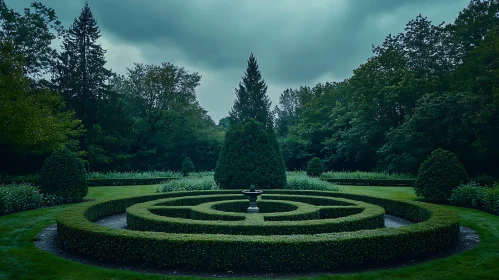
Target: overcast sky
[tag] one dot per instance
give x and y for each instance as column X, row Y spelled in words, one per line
column 296, row 42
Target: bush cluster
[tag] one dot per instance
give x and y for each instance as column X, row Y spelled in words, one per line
column 473, row 195
column 439, row 175
column 437, row 229
column 63, row 174
column 250, row 156
column 19, row 197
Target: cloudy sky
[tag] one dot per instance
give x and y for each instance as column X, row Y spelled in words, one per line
column 296, row 42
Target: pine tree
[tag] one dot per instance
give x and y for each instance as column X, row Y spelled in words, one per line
column 252, row 101
column 251, row 154
column 81, row 75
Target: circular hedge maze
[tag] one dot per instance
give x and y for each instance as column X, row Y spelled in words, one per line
column 294, row 231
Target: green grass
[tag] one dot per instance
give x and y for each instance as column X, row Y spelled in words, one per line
column 366, row 175
column 20, row 259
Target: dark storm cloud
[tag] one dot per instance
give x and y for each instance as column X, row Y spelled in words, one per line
column 296, row 42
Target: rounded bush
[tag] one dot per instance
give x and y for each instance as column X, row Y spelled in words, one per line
column 315, row 167
column 187, row 166
column 64, row 175
column 250, row 156
column 439, row 175
column 435, row 230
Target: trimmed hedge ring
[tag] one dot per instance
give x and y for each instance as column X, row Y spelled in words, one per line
column 299, row 218
column 436, row 229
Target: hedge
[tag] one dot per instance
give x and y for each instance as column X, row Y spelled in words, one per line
column 300, row 219
column 436, row 230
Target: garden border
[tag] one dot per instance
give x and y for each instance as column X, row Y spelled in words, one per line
column 436, row 230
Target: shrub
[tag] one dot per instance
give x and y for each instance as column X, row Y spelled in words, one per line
column 250, row 155
column 64, row 175
column 491, row 200
column 469, row 195
column 439, row 175
column 188, row 184
column 315, row 167
column 19, row 197
column 187, row 166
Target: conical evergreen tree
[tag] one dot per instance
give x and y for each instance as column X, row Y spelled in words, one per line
column 81, row 75
column 252, row 101
column 251, row 154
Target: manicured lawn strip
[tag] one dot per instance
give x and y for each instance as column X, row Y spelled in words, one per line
column 20, row 259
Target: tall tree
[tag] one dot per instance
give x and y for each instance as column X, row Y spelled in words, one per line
column 31, row 121
column 31, row 34
column 252, row 101
column 81, row 76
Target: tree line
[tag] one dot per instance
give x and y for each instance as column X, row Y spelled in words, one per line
column 431, row 86
column 147, row 119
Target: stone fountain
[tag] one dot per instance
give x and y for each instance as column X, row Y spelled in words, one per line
column 252, row 194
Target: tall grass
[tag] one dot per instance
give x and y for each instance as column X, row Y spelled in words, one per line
column 189, row 184
column 133, row 175
column 300, row 181
column 144, row 174
column 366, row 175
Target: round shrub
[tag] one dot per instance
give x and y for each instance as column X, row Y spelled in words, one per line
column 19, row 197
column 187, row 166
column 250, row 155
column 439, row 175
column 315, row 167
column 64, row 175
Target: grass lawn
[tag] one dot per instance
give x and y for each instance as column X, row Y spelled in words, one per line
column 20, row 259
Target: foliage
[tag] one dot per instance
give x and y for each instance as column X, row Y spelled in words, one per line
column 300, row 181
column 31, row 121
column 189, row 184
column 439, row 175
column 473, row 195
column 187, row 167
column 468, row 195
column 250, row 155
column 251, row 101
column 19, row 197
column 31, row 34
column 64, row 175
column 315, row 167
column 81, row 75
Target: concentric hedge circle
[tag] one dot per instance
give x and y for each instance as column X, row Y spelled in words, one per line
column 436, row 229
column 320, row 215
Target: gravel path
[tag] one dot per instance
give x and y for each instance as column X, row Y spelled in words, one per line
column 46, row 240
column 119, row 221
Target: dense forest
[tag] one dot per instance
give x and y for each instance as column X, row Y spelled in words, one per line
column 431, row 86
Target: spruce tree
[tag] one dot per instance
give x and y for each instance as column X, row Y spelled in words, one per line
column 81, row 75
column 252, row 101
column 251, row 154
